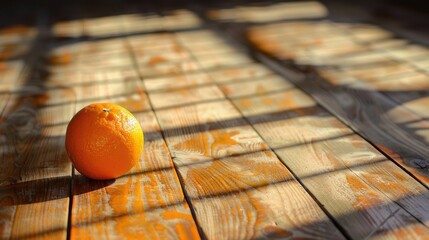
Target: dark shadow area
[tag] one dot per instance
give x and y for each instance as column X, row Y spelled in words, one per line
column 47, row 189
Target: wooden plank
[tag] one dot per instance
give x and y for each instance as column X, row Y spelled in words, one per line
column 406, row 81
column 14, row 32
column 408, row 52
column 88, row 55
column 180, row 19
column 105, row 63
column 239, row 73
column 255, row 86
column 85, row 49
column 71, row 28
column 200, row 37
column 355, row 68
column 402, row 87
column 185, row 96
column 36, row 173
column 270, row 12
column 4, row 98
column 199, row 133
column 222, row 60
column 168, row 68
column 10, row 72
column 129, row 94
column 145, row 203
column 364, row 105
column 138, row 23
column 262, row 201
column 79, row 77
column 375, row 72
column 155, row 57
column 154, row 43
column 14, row 49
column 174, row 20
column 357, row 185
column 103, row 26
column 177, row 82
column 419, row 105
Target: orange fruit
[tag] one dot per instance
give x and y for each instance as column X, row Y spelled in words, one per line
column 104, row 141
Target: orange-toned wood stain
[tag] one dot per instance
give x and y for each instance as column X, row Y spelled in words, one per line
column 156, row 60
column 17, row 29
column 65, row 58
column 365, row 197
column 276, row 232
column 401, row 161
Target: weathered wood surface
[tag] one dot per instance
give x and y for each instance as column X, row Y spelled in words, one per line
column 351, row 179
column 146, row 203
column 35, row 175
column 270, row 11
column 252, row 195
column 219, row 156
column 185, row 96
column 233, row 150
column 375, row 90
column 121, row 24
column 180, row 81
column 378, row 215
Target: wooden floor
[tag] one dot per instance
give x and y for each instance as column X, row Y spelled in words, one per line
column 261, row 121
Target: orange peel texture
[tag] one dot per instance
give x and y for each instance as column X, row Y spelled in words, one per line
column 104, row 141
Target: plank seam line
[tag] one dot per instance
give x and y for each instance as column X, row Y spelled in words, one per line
column 397, row 203
column 329, row 216
column 381, row 224
column 350, row 126
column 72, row 180
column 70, row 210
column 276, row 66
column 181, row 181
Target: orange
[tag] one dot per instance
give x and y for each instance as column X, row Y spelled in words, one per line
column 104, row 141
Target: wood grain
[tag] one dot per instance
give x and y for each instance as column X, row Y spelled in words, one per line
column 195, row 132
column 270, row 12
column 128, row 93
column 239, row 73
column 252, row 194
column 79, row 77
column 168, row 68
column 4, row 98
column 255, row 86
column 87, row 54
column 177, row 82
column 221, row 60
column 185, row 96
column 36, row 173
column 378, row 78
column 71, row 28
column 10, row 72
column 146, row 203
column 155, row 57
column 357, row 185
column 173, row 20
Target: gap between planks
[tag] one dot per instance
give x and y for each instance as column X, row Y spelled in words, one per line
column 188, row 202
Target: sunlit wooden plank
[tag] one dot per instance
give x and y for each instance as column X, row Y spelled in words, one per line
column 251, row 193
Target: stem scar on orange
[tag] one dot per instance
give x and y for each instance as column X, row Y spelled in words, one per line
column 104, row 141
